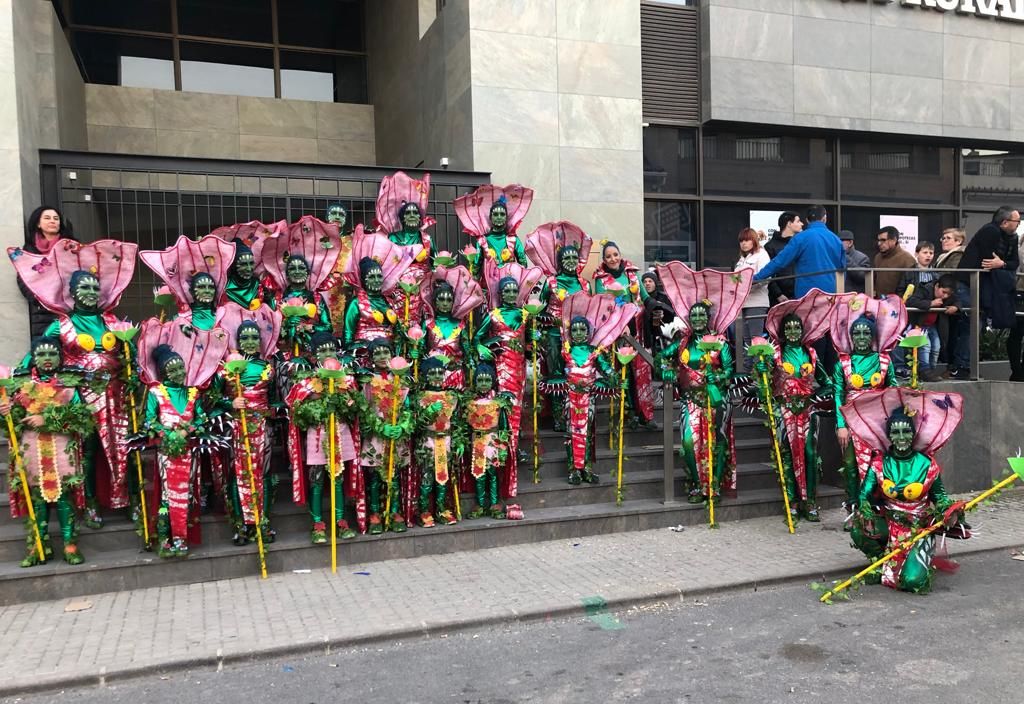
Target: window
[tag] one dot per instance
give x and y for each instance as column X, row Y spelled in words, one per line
column 670, row 160
column 723, row 222
column 224, row 46
column 670, row 232
column 898, row 173
column 993, row 177
column 771, row 165
column 865, row 223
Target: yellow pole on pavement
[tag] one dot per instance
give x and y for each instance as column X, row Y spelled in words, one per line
column 253, row 500
column 16, row 455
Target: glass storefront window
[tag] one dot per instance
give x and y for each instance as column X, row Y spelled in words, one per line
column 670, row 231
column 899, row 173
column 993, row 177
column 231, row 70
column 723, row 222
column 767, row 165
column 323, row 24
column 113, row 58
column 670, row 160
column 145, row 15
column 323, row 77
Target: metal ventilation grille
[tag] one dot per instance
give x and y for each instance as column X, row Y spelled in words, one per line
column 670, row 56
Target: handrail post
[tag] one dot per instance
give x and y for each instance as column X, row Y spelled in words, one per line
column 669, row 455
column 869, row 283
column 840, row 281
column 974, row 319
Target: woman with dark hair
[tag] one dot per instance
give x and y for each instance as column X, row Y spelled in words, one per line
column 755, row 308
column 44, row 228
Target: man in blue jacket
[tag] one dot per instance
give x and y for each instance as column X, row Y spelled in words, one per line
column 815, row 249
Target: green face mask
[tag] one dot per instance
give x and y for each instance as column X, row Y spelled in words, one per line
column 901, row 438
column 570, row 260
column 245, row 266
column 87, row 293
column 579, row 333
column 374, row 280
column 483, row 384
column 411, row 219
column 249, row 342
column 793, row 331
column 296, row 271
column 381, row 357
column 698, row 319
column 499, row 218
column 337, row 214
column 174, row 371
column 204, row 291
column 861, row 337
column 509, row 295
column 444, row 301
column 46, row 358
column 435, row 379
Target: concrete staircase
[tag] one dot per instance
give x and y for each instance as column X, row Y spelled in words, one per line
column 554, row 510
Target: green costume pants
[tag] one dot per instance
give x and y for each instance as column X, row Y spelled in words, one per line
column 318, row 481
column 66, row 517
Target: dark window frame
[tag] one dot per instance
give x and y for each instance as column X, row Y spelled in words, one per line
column 64, row 12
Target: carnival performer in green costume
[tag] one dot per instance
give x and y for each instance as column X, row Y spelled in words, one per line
column 794, row 327
column 902, row 491
column 385, row 432
column 442, row 439
column 50, row 421
column 449, row 296
column 561, row 250
column 244, row 286
column 708, row 301
column 486, row 416
column 82, row 283
column 311, row 403
column 369, row 315
column 491, row 216
column 864, row 331
column 252, row 390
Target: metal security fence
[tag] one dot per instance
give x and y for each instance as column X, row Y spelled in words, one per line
column 154, row 200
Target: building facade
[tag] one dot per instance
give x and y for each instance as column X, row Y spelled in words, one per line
column 666, row 126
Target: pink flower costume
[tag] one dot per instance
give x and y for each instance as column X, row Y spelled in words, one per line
column 397, row 192
column 84, row 332
column 495, row 240
column 249, row 291
column 446, row 333
column 504, row 330
column 864, row 371
column 174, row 412
column 709, row 301
column 903, row 429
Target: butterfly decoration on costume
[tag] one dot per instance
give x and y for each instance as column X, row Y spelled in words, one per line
column 944, row 403
column 42, row 266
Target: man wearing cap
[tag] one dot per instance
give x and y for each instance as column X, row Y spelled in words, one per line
column 855, row 259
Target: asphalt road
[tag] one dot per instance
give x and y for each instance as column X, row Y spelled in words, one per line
column 961, row 643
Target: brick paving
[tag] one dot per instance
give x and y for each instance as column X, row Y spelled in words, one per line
column 203, row 625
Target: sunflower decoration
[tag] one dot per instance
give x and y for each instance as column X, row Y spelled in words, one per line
column 392, row 316
column 876, row 380
column 422, row 255
column 856, row 381
column 378, row 317
column 255, row 304
column 788, row 368
column 806, row 369
column 506, row 255
column 86, row 342
column 561, row 294
column 491, row 253
column 685, row 356
column 310, row 310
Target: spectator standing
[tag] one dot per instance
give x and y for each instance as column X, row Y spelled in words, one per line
column 954, row 330
column 926, row 297
column 1015, row 342
column 924, row 253
column 790, row 225
column 45, row 227
column 815, row 249
column 855, row 259
column 994, row 249
column 890, row 256
column 755, row 307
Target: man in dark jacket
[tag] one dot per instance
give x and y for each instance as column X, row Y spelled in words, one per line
column 815, row 254
column 994, row 249
column 855, row 259
column 789, row 225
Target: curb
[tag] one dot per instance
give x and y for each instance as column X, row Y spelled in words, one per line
column 217, row 662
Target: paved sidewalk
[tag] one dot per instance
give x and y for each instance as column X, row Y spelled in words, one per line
column 117, row 635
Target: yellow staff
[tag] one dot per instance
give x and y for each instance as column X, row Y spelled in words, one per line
column 611, row 413
column 332, row 463
column 23, row 479
column 252, row 480
column 622, row 419
column 536, row 443
column 1016, row 463
column 711, row 457
column 138, row 459
column 391, row 450
column 775, row 443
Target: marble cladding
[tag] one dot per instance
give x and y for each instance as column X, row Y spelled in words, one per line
column 863, row 65
column 566, row 121
column 172, row 123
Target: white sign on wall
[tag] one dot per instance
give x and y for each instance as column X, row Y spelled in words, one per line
column 766, row 221
column 906, row 224
column 1009, row 10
